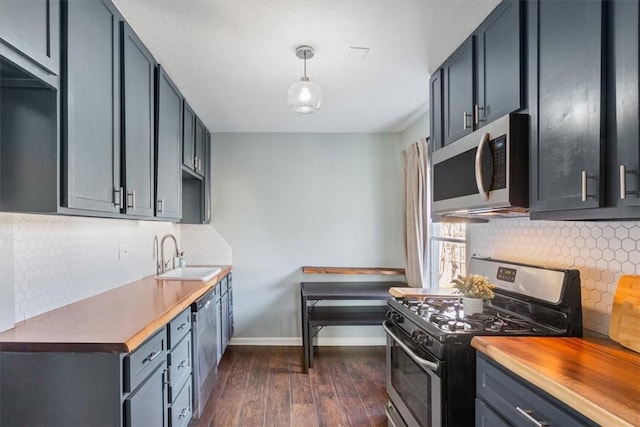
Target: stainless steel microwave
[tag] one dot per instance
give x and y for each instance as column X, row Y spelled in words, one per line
column 484, row 173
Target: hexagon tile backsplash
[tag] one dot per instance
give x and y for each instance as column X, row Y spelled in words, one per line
column 601, row 251
column 50, row 261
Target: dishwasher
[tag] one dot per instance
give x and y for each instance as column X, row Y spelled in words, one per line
column 205, row 343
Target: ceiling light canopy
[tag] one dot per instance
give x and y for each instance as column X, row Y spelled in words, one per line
column 305, row 96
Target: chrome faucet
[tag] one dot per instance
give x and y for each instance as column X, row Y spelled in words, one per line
column 156, row 254
column 163, row 264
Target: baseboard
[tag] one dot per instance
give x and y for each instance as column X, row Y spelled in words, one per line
column 322, row 341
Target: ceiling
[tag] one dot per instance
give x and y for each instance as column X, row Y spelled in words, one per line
column 234, row 60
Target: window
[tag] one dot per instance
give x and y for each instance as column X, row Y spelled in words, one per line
column 448, row 252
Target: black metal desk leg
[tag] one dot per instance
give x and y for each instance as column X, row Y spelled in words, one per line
column 305, row 331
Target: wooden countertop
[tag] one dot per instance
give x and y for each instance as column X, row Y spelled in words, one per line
column 386, row 271
column 117, row 320
column 595, row 376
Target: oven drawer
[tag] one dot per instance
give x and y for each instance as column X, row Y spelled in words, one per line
column 519, row 402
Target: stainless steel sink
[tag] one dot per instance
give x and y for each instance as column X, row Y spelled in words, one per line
column 203, row 274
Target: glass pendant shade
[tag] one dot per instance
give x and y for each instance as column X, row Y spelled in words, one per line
column 304, row 96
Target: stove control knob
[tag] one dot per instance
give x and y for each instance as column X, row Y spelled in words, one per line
column 396, row 317
column 421, row 338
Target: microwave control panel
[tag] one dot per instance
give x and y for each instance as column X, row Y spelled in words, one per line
column 498, row 148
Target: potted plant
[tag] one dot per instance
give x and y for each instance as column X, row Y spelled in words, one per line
column 474, row 288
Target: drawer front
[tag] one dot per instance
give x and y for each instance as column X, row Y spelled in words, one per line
column 179, row 327
column 179, row 366
column 519, row 402
column 180, row 411
column 139, row 364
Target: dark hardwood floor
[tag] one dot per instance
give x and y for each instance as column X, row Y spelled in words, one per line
column 265, row 386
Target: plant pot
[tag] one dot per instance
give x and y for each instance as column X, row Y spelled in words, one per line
column 472, row 305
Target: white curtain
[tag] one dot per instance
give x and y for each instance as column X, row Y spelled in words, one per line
column 416, row 212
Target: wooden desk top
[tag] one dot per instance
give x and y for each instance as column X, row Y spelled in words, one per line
column 595, row 376
column 348, row 290
column 114, row 321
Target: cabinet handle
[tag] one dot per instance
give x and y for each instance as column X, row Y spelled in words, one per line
column 118, row 197
column 583, row 180
column 160, row 206
column 476, row 114
column 195, row 162
column 182, row 364
column 132, row 194
column 623, row 181
column 464, row 120
column 182, row 326
column 183, row 413
column 151, row 356
column 527, row 413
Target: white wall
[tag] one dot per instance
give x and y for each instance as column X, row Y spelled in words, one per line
column 287, row 200
column 50, row 261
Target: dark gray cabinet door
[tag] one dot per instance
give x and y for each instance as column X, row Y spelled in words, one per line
column 435, row 99
column 169, row 148
column 199, row 158
column 33, row 28
column 207, row 178
column 458, row 81
column 91, row 106
column 565, row 45
column 188, row 137
column 138, row 104
column 499, row 91
column 146, row 406
column 623, row 125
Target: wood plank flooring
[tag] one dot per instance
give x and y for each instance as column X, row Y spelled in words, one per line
column 265, row 386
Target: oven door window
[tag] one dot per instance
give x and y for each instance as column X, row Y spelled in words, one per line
column 418, row 388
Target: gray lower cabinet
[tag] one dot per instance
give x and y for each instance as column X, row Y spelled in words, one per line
column 146, row 405
column 151, row 386
column 505, row 399
column 180, row 362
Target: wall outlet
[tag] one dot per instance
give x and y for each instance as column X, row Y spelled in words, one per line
column 123, row 250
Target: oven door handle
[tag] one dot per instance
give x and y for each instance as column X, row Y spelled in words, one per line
column 427, row 364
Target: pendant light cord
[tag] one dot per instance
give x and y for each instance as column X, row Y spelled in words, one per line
column 305, row 64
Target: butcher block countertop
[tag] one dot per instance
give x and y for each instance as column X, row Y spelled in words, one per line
column 595, row 376
column 118, row 320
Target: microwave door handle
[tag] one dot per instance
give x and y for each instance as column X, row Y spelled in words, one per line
column 427, row 364
column 479, row 178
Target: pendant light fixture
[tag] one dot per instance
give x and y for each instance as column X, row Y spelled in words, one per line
column 304, row 97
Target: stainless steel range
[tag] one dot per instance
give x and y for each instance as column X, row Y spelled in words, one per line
column 430, row 362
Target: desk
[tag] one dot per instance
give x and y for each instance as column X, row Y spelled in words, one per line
column 314, row 317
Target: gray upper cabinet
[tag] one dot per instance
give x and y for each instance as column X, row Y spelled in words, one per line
column 91, row 107
column 188, row 137
column 458, row 72
column 138, row 143
column 199, row 157
column 483, row 79
column 623, row 126
column 207, row 179
column 31, row 28
column 498, row 42
column 169, row 128
column 565, row 59
column 435, row 98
